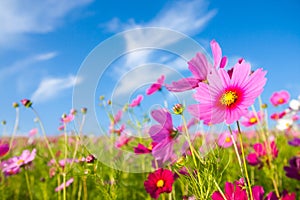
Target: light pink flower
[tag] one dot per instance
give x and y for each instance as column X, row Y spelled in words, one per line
column 251, row 119
column 200, row 67
column 225, row 139
column 156, row 86
column 33, row 132
column 226, row 99
column 62, row 186
column 122, row 141
column 137, row 101
column 67, row 118
column 280, row 97
column 13, row 165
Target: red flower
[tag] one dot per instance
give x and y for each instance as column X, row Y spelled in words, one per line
column 159, row 182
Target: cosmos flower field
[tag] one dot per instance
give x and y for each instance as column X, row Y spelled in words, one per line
column 183, row 154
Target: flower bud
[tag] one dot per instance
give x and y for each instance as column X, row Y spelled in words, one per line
column 178, row 109
column 15, row 105
column 27, row 103
column 83, row 110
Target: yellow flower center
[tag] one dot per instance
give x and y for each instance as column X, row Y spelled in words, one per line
column 160, row 183
column 20, row 162
column 228, row 139
column 253, row 120
column 280, row 100
column 229, row 98
column 150, row 147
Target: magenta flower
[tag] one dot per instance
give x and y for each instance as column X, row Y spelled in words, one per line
column 260, row 153
column 226, row 99
column 160, row 181
column 141, row 149
column 4, row 149
column 251, row 118
column 236, row 191
column 62, row 186
column 156, row 86
column 200, row 67
column 225, row 139
column 284, row 196
column 164, row 134
column 280, row 97
column 137, row 101
column 293, row 170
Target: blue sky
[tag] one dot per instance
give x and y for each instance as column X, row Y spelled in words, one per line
column 44, row 43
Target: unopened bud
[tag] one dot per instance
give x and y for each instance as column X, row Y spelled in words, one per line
column 178, row 109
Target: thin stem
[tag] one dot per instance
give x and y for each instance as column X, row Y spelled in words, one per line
column 45, row 137
column 238, row 157
column 193, row 151
column 28, row 184
column 78, row 139
column 219, row 189
column 244, row 161
column 15, row 127
column 64, row 188
column 64, row 169
column 84, row 188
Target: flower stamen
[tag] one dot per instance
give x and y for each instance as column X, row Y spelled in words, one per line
column 229, row 98
column 160, row 183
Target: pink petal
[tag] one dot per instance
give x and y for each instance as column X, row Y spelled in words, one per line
column 183, row 84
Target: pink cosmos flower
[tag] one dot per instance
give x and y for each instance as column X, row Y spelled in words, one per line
column 236, row 191
column 122, row 140
column 4, row 149
column 13, row 165
column 225, row 139
column 260, row 153
column 160, row 181
column 226, row 99
column 67, row 118
column 33, row 132
column 164, row 134
column 156, row 86
column 117, row 117
column 62, row 186
column 137, row 101
column 280, row 97
column 251, row 119
column 200, row 67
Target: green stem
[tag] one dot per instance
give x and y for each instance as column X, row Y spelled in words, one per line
column 64, row 188
column 244, row 161
column 193, row 151
column 15, row 127
column 219, row 189
column 45, row 137
column 78, row 139
column 28, row 184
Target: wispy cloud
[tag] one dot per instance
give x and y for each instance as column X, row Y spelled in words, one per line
column 25, row 63
column 18, row 18
column 50, row 88
column 189, row 17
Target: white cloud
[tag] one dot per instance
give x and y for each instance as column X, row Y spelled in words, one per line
column 51, row 88
column 20, row 17
column 189, row 17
